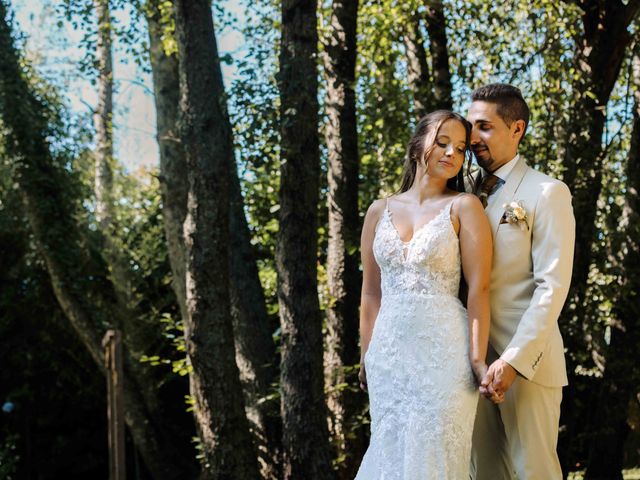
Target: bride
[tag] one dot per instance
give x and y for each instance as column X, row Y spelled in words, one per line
column 422, row 353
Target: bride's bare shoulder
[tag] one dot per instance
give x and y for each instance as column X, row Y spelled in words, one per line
column 374, row 212
column 377, row 207
column 467, row 202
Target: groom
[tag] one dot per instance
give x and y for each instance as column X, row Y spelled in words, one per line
column 531, row 217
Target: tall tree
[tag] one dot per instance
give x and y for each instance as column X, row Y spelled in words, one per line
column 255, row 349
column 103, row 116
column 431, row 87
column 62, row 245
column 385, row 113
column 344, row 227
column 619, row 383
column 103, row 154
column 418, row 75
column 119, row 269
column 305, row 438
column 173, row 167
column 214, row 378
column 140, row 334
column 601, row 46
column 437, row 28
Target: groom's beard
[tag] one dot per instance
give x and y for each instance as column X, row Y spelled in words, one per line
column 483, row 158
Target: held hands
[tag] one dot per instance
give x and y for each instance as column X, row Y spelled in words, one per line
column 497, row 380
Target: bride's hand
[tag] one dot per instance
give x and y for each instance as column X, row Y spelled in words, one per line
column 479, row 370
column 362, row 377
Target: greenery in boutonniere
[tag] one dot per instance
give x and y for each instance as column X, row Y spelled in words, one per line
column 515, row 214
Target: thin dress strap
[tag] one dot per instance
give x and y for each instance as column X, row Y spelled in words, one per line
column 449, row 209
column 453, row 200
column 384, row 213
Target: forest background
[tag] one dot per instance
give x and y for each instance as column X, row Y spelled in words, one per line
column 224, row 244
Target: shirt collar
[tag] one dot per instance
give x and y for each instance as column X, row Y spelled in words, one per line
column 503, row 172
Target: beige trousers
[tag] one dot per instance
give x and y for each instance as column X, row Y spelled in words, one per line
column 517, row 439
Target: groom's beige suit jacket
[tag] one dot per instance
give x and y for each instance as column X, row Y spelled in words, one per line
column 531, row 274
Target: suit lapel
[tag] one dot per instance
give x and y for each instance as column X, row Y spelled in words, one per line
column 505, row 194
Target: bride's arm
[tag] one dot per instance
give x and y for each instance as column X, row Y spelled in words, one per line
column 371, row 292
column 476, row 250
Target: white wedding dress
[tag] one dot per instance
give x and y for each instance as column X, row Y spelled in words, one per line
column 422, row 392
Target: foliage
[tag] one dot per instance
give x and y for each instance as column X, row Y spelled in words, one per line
column 531, row 44
column 253, row 106
column 385, row 104
column 58, row 396
column 59, row 378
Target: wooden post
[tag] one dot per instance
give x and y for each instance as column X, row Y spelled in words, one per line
column 112, row 344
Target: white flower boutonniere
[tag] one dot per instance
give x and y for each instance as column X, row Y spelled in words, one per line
column 515, row 214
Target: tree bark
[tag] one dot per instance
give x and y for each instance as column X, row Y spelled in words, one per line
column 255, row 349
column 619, row 384
column 417, row 67
column 341, row 341
column 173, row 165
column 51, row 216
column 437, row 28
column 135, row 337
column 305, row 439
column 103, row 117
column 215, row 383
column 256, row 354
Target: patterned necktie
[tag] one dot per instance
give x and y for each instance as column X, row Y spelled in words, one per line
column 489, row 181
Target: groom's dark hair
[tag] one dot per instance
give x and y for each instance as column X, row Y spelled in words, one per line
column 510, row 104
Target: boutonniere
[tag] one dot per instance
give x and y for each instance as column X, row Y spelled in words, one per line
column 515, row 214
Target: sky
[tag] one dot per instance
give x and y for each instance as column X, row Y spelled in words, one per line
column 54, row 48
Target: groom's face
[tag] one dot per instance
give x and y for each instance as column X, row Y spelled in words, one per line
column 491, row 140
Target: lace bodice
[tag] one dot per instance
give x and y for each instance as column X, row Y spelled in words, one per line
column 429, row 264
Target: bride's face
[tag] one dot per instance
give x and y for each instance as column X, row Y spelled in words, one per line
column 447, row 156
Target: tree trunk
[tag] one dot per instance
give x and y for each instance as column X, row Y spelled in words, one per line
column 215, row 382
column 417, row 67
column 600, row 53
column 437, row 28
column 173, row 165
column 50, row 212
column 344, row 226
column 255, row 349
column 619, row 384
column 102, row 117
column 158, row 388
column 256, row 354
column 305, row 439
column 600, row 56
column 104, row 161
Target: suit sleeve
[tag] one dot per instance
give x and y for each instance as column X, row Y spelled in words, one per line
column 552, row 245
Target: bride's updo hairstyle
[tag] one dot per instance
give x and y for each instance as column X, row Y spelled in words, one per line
column 423, row 142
